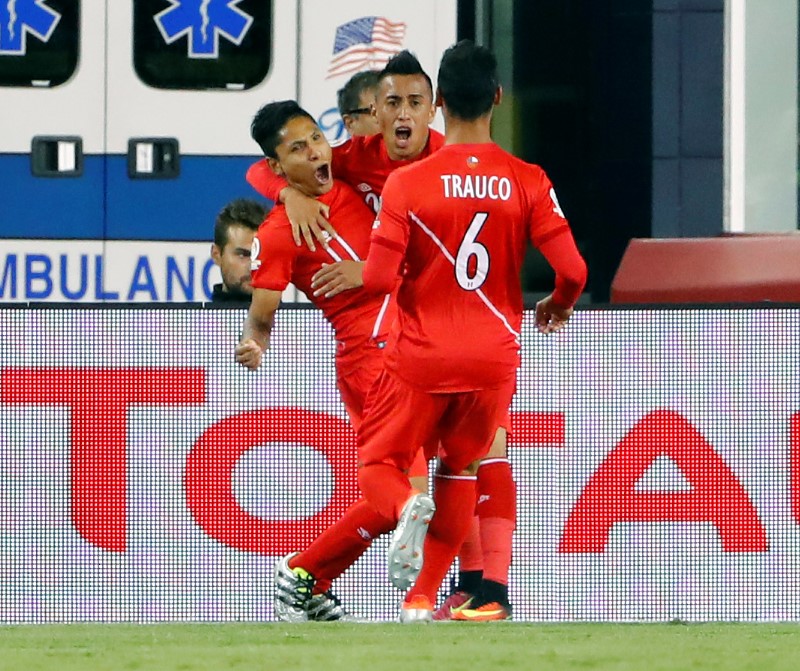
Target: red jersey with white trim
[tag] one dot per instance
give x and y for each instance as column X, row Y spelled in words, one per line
column 356, row 316
column 362, row 162
column 463, row 219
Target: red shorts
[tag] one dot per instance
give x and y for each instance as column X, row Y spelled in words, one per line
column 354, row 387
column 355, row 384
column 398, row 417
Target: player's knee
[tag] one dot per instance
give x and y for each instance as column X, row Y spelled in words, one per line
column 419, row 482
column 444, row 469
column 499, row 446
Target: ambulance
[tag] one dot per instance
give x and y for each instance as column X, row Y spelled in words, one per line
column 125, row 126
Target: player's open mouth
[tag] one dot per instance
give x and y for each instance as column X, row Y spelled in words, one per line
column 323, row 173
column 402, row 134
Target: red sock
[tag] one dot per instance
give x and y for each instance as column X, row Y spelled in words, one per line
column 470, row 556
column 497, row 511
column 338, row 547
column 386, row 487
column 455, row 506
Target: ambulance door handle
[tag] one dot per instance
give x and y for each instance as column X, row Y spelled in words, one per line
column 57, row 156
column 153, row 158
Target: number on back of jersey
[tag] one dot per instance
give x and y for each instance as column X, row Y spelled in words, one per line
column 472, row 260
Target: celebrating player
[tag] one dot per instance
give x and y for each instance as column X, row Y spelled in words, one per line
column 458, row 223
column 404, row 109
column 404, row 106
column 296, row 149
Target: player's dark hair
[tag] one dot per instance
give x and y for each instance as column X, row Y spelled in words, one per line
column 404, row 63
column 348, row 98
column 239, row 212
column 270, row 120
column 467, row 80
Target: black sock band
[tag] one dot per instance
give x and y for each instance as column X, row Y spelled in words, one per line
column 470, row 581
column 494, row 591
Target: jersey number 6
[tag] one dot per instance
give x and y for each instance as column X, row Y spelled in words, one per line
column 469, row 248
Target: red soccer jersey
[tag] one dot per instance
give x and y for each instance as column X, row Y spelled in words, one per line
column 362, row 162
column 356, row 316
column 463, row 219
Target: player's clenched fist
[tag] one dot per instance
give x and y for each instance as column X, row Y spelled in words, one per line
column 248, row 354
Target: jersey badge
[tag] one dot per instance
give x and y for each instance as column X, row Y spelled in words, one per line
column 472, row 162
column 255, row 252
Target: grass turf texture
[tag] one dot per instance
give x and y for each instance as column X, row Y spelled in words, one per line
column 386, row 647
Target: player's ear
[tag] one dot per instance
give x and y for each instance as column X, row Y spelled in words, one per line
column 275, row 165
column 437, row 101
column 216, row 253
column 498, row 96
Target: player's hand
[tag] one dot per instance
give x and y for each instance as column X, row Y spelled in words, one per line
column 551, row 317
column 308, row 218
column 334, row 278
column 248, row 353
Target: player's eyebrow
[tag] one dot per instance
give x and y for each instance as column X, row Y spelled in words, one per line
column 410, row 96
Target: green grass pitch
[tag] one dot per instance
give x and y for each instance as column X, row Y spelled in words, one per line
column 389, row 647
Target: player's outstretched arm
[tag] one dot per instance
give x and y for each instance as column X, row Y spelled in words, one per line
column 334, row 278
column 257, row 328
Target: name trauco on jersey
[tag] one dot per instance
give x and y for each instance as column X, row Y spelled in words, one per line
column 476, row 186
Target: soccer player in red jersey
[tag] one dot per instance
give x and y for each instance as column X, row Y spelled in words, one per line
column 404, row 107
column 458, row 223
column 297, row 149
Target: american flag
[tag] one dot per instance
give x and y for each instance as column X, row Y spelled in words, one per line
column 365, row 44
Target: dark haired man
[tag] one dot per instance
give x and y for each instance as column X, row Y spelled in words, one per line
column 234, row 229
column 296, row 148
column 459, row 224
column 355, row 101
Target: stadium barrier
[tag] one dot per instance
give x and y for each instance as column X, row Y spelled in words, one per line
column 733, row 268
column 148, row 478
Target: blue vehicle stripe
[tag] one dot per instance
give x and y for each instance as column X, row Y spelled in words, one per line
column 107, row 204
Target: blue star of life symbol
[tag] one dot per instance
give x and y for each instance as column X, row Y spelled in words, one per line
column 18, row 18
column 203, row 21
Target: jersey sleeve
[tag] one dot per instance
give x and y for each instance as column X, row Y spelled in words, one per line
column 342, row 157
column 564, row 258
column 391, row 228
column 266, row 182
column 547, row 219
column 272, row 258
column 389, row 241
column 550, row 232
